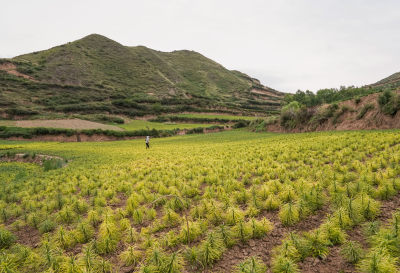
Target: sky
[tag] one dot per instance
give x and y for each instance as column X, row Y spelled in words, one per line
column 287, row 44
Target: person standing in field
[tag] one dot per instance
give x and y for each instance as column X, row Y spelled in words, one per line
column 147, row 142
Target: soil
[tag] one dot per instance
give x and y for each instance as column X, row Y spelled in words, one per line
column 28, row 236
column 38, row 159
column 332, row 264
column 335, row 262
column 67, row 124
column 262, row 248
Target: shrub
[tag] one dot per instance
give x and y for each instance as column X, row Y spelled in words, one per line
column 289, row 214
column 6, row 238
column 47, row 226
column 352, row 252
column 289, row 113
column 241, row 124
column 282, row 264
column 251, row 265
column 318, row 244
column 52, row 164
column 389, row 102
column 210, row 250
column 342, row 111
column 378, row 261
column 366, row 108
column 130, row 256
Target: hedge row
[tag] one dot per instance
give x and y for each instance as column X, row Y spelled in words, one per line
column 193, row 119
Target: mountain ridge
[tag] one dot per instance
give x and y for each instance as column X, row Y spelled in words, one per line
column 112, row 78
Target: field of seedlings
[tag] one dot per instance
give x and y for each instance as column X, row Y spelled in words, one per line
column 234, row 201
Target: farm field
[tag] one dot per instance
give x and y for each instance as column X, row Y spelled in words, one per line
column 59, row 123
column 214, row 116
column 234, row 201
column 144, row 124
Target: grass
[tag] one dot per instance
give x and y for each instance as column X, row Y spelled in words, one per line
column 188, row 202
column 143, row 124
column 7, row 123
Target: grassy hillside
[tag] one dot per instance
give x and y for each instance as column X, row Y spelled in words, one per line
column 392, row 81
column 98, row 75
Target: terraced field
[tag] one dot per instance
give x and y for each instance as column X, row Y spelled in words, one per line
column 226, row 202
column 144, row 124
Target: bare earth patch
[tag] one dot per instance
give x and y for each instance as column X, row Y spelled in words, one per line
column 10, row 68
column 66, row 124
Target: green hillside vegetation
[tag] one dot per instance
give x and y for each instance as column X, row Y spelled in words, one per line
column 307, row 108
column 332, row 95
column 97, row 75
column 143, row 124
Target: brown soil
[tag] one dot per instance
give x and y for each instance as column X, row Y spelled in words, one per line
column 10, row 68
column 28, row 236
column 332, row 264
column 38, row 159
column 335, row 262
column 262, row 248
column 66, row 124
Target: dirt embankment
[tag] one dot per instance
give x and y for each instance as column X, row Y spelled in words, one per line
column 38, row 158
column 350, row 119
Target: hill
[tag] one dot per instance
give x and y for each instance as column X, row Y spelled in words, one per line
column 393, row 81
column 98, row 75
column 374, row 106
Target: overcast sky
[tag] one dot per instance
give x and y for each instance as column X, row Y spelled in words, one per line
column 288, row 45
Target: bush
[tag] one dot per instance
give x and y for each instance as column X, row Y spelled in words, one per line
column 241, row 124
column 112, row 119
column 366, row 108
column 47, row 226
column 21, row 112
column 377, row 261
column 282, row 264
column 389, row 102
column 251, row 265
column 198, row 130
column 352, row 251
column 289, row 214
column 52, row 164
column 6, row 238
column 131, row 256
column 343, row 110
